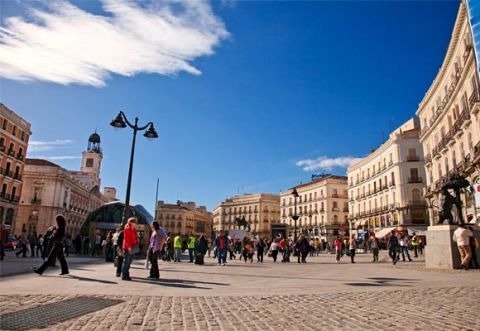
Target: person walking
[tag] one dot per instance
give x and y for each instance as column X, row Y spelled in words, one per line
column 68, row 244
column 414, row 242
column 32, row 239
column 274, row 250
column 156, row 242
column 338, row 249
column 177, row 245
column 375, row 246
column 200, row 250
column 40, row 245
column 109, row 252
column 97, row 248
column 231, row 249
column 404, row 248
column 393, row 247
column 57, row 241
column 221, row 242
column 22, row 244
column 119, row 251
column 191, row 246
column 3, row 240
column 130, row 246
column 352, row 245
column 302, row 248
column 461, row 236
column 86, row 245
column 473, row 247
column 260, row 249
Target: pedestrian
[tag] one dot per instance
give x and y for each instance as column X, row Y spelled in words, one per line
column 375, row 246
column 393, row 247
column 46, row 242
column 78, row 244
column 209, row 247
column 231, row 249
column 462, row 237
column 32, row 239
column 86, row 245
column 130, row 246
column 260, row 249
column 22, row 244
column 97, row 248
column 68, row 244
column 273, row 251
column 473, row 247
column 191, row 246
column 221, row 242
column 3, row 240
column 338, row 243
column 156, row 242
column 414, row 242
column 169, row 247
column 352, row 247
column 201, row 250
column 404, row 248
column 302, row 247
column 119, row 251
column 177, row 245
column 40, row 245
column 109, row 253
column 420, row 246
column 56, row 241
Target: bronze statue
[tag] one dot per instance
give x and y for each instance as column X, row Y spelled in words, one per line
column 447, row 201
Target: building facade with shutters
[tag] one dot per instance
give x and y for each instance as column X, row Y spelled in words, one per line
column 322, row 207
column 385, row 188
column 184, row 218
column 14, row 136
column 450, row 118
column 259, row 211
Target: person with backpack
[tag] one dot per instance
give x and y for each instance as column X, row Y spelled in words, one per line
column 118, row 243
column 57, row 246
column 191, row 246
column 393, row 246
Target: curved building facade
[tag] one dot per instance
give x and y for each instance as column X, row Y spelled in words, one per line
column 450, row 118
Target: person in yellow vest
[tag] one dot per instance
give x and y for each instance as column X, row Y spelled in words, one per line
column 191, row 246
column 177, row 245
column 414, row 242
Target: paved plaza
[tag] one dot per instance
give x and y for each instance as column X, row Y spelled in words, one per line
column 251, row 296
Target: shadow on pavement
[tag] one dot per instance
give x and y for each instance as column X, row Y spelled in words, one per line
column 86, row 279
column 169, row 283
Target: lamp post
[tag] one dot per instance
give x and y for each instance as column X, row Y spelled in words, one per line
column 121, row 122
column 295, row 217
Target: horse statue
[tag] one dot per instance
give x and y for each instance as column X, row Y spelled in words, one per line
column 447, row 200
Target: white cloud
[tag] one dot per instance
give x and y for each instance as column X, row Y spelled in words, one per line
column 65, row 44
column 326, row 163
column 42, row 146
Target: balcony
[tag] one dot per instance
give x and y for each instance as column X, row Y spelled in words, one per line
column 345, row 210
column 336, row 209
column 413, row 158
column 414, row 180
column 11, row 152
column 39, row 201
column 474, row 101
column 417, row 204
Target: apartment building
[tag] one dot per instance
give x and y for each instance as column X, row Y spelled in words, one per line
column 322, row 207
column 14, row 135
column 449, row 116
column 184, row 218
column 260, row 211
column 385, row 187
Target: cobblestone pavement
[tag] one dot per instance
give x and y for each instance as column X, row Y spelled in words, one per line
column 412, row 309
column 319, row 295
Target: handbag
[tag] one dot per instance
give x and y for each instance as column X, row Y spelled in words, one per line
column 135, row 250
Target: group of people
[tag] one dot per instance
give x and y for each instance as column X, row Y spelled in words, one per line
column 122, row 245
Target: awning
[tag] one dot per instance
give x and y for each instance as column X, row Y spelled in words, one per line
column 383, row 232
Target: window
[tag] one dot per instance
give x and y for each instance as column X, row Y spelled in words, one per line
column 22, row 137
column 89, row 163
column 14, row 131
column 5, row 124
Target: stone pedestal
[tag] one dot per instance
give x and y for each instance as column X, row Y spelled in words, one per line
column 441, row 251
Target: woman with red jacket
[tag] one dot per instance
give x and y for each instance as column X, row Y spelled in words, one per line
column 130, row 246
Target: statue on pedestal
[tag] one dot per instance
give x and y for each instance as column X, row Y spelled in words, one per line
column 447, row 201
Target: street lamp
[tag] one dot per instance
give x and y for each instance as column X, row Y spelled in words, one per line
column 121, row 122
column 295, row 217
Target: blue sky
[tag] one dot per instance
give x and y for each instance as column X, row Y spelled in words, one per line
column 239, row 92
